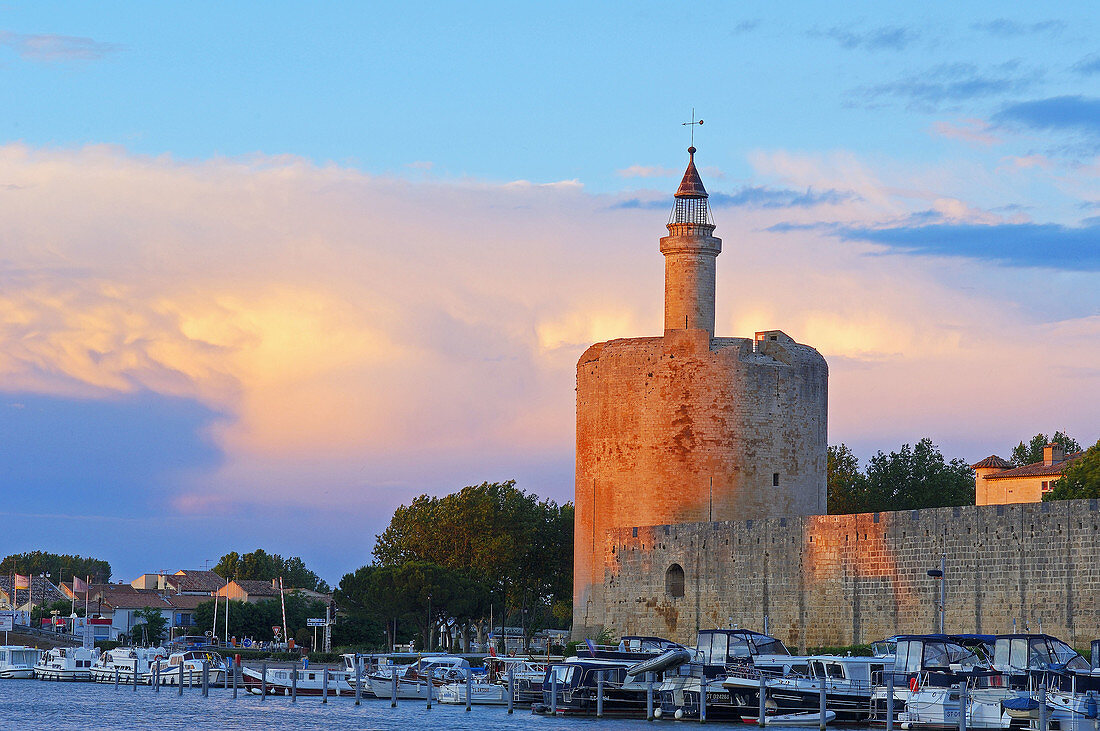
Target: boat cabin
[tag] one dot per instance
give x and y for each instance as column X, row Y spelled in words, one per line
column 1018, row 653
column 737, row 646
column 941, row 653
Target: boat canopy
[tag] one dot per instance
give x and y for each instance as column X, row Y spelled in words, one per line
column 1022, row 652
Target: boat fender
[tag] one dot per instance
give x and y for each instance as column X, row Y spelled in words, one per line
column 906, row 726
column 1090, row 706
column 914, row 684
column 679, row 714
column 656, row 712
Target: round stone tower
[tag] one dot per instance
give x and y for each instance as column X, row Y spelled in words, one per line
column 688, row 427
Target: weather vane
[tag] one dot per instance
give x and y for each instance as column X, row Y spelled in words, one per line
column 692, row 124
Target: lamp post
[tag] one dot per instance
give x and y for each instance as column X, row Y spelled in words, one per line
column 938, row 575
column 428, row 626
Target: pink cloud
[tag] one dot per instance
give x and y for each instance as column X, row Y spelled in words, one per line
column 53, row 48
column 973, row 131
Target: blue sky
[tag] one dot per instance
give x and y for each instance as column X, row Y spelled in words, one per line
column 272, row 269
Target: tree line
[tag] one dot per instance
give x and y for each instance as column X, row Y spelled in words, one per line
column 451, row 562
column 58, row 567
column 262, row 566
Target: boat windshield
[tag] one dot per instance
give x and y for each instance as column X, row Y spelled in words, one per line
column 769, row 646
column 564, row 673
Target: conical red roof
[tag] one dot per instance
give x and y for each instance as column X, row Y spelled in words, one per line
column 692, row 185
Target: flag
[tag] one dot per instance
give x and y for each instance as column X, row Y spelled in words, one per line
column 591, row 646
column 79, row 585
column 22, row 582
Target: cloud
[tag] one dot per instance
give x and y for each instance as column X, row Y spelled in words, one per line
column 1006, row 28
column 1072, row 113
column 974, row 131
column 754, row 196
column 421, row 165
column 887, row 37
column 746, row 26
column 1089, row 65
column 1039, row 245
column 948, row 83
column 646, row 171
column 52, row 48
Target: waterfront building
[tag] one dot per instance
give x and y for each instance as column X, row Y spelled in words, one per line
column 998, row 482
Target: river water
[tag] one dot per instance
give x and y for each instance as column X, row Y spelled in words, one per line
column 36, row 704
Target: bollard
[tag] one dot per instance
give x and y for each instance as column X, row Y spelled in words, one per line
column 1043, row 706
column 294, row 685
column 179, row 678
column 649, row 696
column 890, row 701
column 599, row 693
column 263, row 682
column 205, row 679
column 821, row 698
column 469, row 689
column 393, row 687
column 763, row 693
column 553, row 691
column 962, row 706
column 225, row 676
column 358, row 678
column 116, row 677
column 703, row 697
column 511, row 687
column 324, row 685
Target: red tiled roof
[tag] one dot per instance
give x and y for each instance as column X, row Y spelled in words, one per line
column 1037, row 469
column 257, row 588
column 992, row 461
column 188, row 580
column 187, row 601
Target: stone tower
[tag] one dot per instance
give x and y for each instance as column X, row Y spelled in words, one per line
column 688, row 427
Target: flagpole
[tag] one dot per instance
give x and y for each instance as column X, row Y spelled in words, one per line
column 73, row 610
column 86, row 580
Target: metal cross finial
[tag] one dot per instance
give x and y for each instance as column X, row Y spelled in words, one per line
column 692, row 124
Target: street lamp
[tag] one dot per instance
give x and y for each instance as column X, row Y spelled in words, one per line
column 938, row 575
column 428, row 625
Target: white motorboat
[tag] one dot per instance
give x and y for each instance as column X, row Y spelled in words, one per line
column 66, row 663
column 122, row 662
column 849, row 682
column 189, row 666
column 18, row 661
column 414, row 680
column 491, row 689
column 799, row 720
column 310, row 681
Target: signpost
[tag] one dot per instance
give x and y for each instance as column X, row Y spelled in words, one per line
column 7, row 624
column 315, row 622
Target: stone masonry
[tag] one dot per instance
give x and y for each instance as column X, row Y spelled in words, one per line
column 845, row 579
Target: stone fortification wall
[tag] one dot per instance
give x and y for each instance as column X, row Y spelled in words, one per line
column 838, row 580
column 687, row 428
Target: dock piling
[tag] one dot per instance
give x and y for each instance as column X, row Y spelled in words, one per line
column 156, row 678
column 263, row 682
column 116, row 677
column 429, row 693
column 358, row 678
column 233, row 667
column 393, row 687
column 703, row 697
column 324, row 685
column 649, row 696
column 294, row 685
column 511, row 687
column 962, row 706
column 135, row 675
column 821, row 702
column 599, row 693
column 469, row 689
column 205, row 679
column 763, row 694
column 890, row 701
column 553, row 691
column 1043, row 705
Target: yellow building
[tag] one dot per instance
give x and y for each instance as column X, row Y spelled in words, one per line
column 997, row 482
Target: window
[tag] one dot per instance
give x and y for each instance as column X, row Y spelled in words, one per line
column 674, row 580
column 775, row 479
column 1046, row 486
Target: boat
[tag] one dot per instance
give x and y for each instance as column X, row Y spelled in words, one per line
column 492, row 688
column 576, row 684
column 189, row 665
column 122, row 662
column 66, row 663
column 414, row 679
column 18, row 661
column 849, row 683
column 801, row 720
column 732, row 662
column 310, row 681
column 988, row 699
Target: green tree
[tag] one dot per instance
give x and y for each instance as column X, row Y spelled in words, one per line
column 64, row 609
column 149, row 626
column 59, row 567
column 917, row 477
column 1081, row 478
column 263, row 566
column 846, row 483
column 1032, row 451
column 255, row 620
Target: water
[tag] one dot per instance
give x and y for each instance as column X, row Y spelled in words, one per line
column 36, row 704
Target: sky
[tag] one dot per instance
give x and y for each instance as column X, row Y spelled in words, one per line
column 268, row 271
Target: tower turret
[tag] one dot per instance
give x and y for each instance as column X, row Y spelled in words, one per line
column 690, row 251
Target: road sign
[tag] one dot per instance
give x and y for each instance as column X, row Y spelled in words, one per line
column 315, row 622
column 7, row 622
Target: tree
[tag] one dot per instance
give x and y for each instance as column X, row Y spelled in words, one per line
column 150, row 625
column 846, row 484
column 1032, row 452
column 255, row 620
column 59, row 567
column 917, row 477
column 1081, row 478
column 263, row 566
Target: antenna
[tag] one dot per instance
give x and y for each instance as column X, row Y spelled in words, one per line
column 692, row 124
